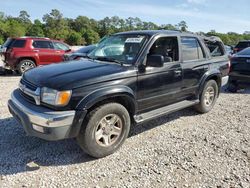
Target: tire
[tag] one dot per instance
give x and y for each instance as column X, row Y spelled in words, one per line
column 25, row 65
column 96, row 136
column 208, row 97
column 232, row 87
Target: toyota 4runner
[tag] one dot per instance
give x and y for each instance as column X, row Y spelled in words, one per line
column 130, row 78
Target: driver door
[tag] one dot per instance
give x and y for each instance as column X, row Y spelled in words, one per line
column 160, row 86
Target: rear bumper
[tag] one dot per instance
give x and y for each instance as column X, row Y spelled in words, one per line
column 239, row 78
column 45, row 123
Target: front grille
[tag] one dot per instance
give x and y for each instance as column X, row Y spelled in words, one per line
column 29, row 91
column 28, row 85
column 29, row 98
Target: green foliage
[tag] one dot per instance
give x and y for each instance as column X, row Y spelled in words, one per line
column 55, row 25
column 36, row 29
column 84, row 30
column 74, row 38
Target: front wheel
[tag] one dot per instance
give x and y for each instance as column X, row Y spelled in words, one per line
column 208, row 97
column 25, row 65
column 105, row 130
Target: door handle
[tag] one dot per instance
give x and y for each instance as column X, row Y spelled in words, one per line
column 177, row 72
column 57, row 51
column 35, row 50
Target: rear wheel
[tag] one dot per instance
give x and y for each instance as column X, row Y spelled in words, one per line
column 106, row 129
column 208, row 97
column 25, row 65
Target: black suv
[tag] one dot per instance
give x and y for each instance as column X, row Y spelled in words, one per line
column 130, row 78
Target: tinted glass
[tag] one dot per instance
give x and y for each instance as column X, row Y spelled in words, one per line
column 243, row 45
column 42, row 44
column 190, row 50
column 8, row 42
column 166, row 47
column 18, row 44
column 244, row 52
column 60, row 46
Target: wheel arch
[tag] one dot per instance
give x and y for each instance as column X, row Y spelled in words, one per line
column 29, row 58
column 120, row 94
column 216, row 76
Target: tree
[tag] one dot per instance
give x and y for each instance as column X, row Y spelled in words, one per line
column 55, row 25
column 182, row 26
column 91, row 37
column 36, row 29
column 75, row 38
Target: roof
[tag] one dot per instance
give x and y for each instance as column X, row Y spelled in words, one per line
column 149, row 32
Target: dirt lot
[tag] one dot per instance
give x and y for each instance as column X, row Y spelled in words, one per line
column 184, row 149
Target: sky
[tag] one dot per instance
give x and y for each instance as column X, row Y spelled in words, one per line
column 200, row 15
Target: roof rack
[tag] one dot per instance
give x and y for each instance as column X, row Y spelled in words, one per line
column 35, row 37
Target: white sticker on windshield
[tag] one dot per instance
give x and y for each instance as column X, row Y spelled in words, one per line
column 134, row 40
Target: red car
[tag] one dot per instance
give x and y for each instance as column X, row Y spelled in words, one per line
column 21, row 54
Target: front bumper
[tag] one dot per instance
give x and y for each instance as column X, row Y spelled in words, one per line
column 45, row 123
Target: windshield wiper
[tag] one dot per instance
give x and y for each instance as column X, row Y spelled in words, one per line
column 108, row 59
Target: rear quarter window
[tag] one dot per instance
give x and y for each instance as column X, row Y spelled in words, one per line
column 215, row 48
column 18, row 44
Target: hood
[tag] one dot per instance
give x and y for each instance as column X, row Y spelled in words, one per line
column 74, row 74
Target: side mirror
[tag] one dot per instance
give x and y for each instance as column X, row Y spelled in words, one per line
column 68, row 50
column 155, row 61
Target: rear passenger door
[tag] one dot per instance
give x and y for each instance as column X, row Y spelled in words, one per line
column 194, row 64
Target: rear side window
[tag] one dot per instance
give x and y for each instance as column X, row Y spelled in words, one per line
column 18, row 44
column 243, row 45
column 42, row 44
column 215, row 48
column 191, row 49
column 8, row 42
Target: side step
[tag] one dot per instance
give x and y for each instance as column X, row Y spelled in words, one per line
column 164, row 110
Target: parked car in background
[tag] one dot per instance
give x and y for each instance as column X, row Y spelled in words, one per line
column 239, row 76
column 80, row 53
column 135, row 77
column 241, row 46
column 23, row 53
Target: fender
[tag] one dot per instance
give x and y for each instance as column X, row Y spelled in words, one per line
column 105, row 93
column 209, row 74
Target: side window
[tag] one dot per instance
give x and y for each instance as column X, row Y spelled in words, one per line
column 42, row 44
column 60, row 46
column 191, row 49
column 18, row 44
column 167, row 47
column 215, row 48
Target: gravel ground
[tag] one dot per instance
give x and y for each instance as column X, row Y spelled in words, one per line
column 184, row 149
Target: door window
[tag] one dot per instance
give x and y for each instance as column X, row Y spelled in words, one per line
column 60, row 46
column 191, row 49
column 167, row 47
column 42, row 44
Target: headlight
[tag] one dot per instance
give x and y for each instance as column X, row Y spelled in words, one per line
column 54, row 97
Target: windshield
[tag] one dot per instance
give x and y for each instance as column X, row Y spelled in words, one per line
column 119, row 48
